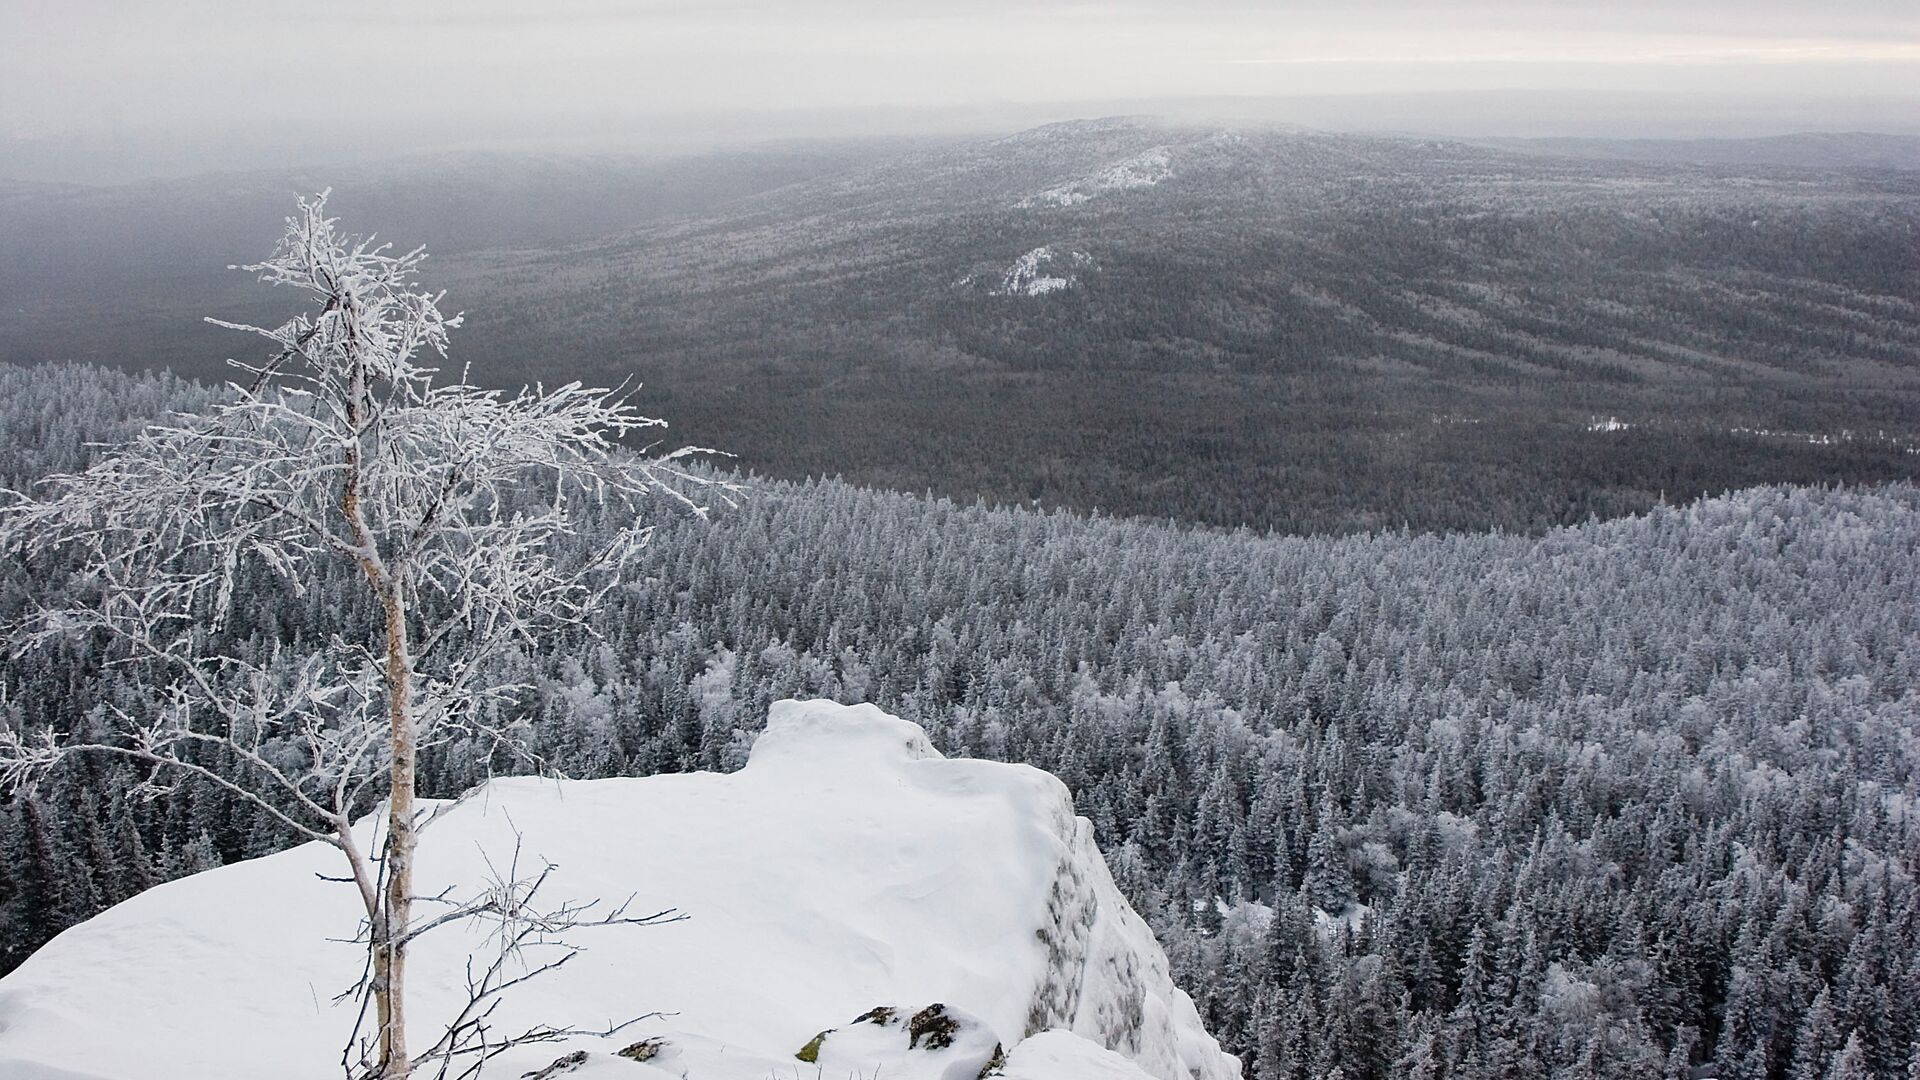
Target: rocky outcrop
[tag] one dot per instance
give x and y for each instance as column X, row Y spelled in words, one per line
column 932, row 1043
column 847, row 864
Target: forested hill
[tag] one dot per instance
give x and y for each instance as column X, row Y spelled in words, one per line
column 1612, row 801
column 1304, row 331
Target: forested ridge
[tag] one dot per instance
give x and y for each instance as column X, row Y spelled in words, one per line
column 1612, row 801
column 1303, row 331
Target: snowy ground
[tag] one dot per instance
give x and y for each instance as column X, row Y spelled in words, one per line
column 847, row 866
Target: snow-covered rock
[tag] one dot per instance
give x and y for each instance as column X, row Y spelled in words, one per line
column 933, row 1043
column 847, row 866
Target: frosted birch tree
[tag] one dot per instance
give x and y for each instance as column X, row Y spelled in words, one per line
column 453, row 506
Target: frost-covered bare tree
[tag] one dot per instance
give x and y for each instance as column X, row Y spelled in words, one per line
column 451, row 503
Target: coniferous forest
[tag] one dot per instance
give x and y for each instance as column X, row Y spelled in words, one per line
column 1620, row 799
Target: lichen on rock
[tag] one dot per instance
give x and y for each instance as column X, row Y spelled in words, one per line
column 644, row 1050
column 810, row 1053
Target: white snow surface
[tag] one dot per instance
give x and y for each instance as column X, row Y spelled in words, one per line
column 1051, row 1055
column 848, row 865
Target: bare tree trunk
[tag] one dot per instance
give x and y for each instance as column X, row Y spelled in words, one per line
column 395, row 909
column 400, row 835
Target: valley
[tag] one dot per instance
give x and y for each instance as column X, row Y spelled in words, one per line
column 1234, row 327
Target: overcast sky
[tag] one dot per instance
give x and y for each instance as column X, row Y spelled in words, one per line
column 211, row 75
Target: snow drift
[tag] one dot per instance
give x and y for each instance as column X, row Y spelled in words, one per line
column 847, row 870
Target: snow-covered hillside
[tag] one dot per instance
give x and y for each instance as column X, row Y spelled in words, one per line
column 847, row 867
column 1033, row 274
column 1139, row 171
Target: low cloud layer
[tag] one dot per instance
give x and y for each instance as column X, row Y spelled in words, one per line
column 478, row 72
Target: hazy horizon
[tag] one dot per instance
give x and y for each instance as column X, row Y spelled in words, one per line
column 111, row 92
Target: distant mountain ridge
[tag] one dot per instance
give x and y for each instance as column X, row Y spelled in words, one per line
column 1241, row 325
column 1810, row 149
